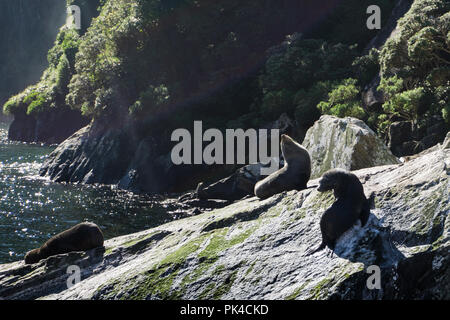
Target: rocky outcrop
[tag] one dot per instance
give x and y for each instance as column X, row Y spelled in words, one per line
column 49, row 127
column 255, row 249
column 372, row 98
column 406, row 139
column 344, row 143
column 237, row 186
column 81, row 158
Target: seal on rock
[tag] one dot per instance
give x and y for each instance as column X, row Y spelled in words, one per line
column 82, row 237
column 351, row 204
column 294, row 175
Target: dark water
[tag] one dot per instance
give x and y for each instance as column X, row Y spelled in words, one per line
column 32, row 209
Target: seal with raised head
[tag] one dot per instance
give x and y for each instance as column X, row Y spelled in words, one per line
column 82, row 237
column 351, row 204
column 294, row 175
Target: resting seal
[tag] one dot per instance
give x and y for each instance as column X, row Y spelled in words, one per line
column 294, row 174
column 351, row 204
column 82, row 237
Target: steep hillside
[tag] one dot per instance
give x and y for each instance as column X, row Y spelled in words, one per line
column 145, row 68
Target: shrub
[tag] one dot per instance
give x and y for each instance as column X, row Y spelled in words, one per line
column 276, row 102
column 365, row 68
column 306, row 101
column 13, row 105
column 405, row 104
column 38, row 104
column 63, row 74
column 343, row 101
column 150, row 99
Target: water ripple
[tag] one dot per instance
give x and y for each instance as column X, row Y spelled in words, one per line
column 32, row 208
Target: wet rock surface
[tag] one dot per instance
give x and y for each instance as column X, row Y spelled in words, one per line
column 255, row 249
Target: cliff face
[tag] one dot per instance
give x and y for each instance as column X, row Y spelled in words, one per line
column 49, row 127
column 257, row 249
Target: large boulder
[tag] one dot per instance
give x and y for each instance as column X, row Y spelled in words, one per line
column 400, row 133
column 256, row 249
column 346, row 143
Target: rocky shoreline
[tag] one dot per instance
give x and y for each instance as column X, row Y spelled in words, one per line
column 253, row 249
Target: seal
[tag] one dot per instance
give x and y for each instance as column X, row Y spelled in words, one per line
column 82, row 237
column 294, row 175
column 351, row 204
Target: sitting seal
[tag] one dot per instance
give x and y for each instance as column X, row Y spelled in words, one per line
column 294, row 174
column 82, row 237
column 351, row 204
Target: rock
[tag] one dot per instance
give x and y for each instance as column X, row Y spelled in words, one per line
column 446, row 143
column 399, row 133
column 430, row 140
column 82, row 157
column 344, row 143
column 255, row 249
column 435, row 132
column 439, row 128
column 371, row 97
column 404, row 140
column 234, row 187
column 410, row 148
column 22, row 128
column 49, row 127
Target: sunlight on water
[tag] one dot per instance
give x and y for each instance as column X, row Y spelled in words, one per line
column 32, row 209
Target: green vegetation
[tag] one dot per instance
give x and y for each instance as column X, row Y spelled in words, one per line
column 296, row 80
column 138, row 57
column 343, row 100
column 133, row 59
column 415, row 65
column 313, row 77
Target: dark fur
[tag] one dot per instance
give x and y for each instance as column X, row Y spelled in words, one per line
column 82, row 237
column 294, row 175
column 351, row 204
